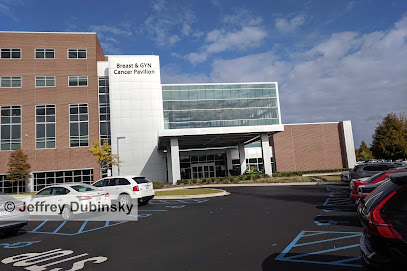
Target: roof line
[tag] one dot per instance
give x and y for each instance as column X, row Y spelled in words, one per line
column 34, row 32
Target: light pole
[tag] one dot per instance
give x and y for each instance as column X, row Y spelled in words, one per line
column 118, row 164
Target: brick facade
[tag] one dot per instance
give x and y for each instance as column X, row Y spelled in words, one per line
column 308, row 147
column 63, row 156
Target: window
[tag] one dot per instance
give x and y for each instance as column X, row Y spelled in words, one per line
column 45, row 81
column 10, row 53
column 104, row 109
column 78, row 125
column 45, row 126
column 10, row 187
column 45, row 192
column 121, row 181
column 45, row 53
column 77, row 53
column 77, row 81
column 44, row 179
column 11, row 82
column 10, row 127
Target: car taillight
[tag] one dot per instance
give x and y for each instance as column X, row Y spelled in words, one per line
column 378, row 223
column 107, row 195
column 84, row 197
column 135, row 188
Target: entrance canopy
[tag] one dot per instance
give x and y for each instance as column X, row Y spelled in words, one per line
column 215, row 137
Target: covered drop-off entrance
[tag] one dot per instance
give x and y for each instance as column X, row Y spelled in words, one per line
column 210, row 142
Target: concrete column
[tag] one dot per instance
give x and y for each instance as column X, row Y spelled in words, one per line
column 265, row 149
column 29, row 184
column 349, row 144
column 229, row 164
column 242, row 157
column 169, row 166
column 175, row 165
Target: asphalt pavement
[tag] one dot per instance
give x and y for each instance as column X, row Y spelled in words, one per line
column 311, row 227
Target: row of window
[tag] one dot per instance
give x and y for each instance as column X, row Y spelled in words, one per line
column 45, row 125
column 43, row 81
column 42, row 53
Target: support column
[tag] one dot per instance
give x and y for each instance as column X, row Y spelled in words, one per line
column 265, row 149
column 229, row 163
column 169, row 165
column 242, row 157
column 29, row 184
column 175, row 165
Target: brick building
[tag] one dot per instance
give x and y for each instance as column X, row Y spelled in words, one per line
column 59, row 93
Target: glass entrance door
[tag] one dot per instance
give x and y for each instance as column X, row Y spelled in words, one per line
column 203, row 170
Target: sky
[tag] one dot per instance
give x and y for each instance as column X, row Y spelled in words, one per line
column 334, row 60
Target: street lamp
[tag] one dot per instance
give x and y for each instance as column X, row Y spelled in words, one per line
column 118, row 164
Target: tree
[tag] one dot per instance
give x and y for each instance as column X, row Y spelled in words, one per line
column 363, row 153
column 103, row 154
column 390, row 138
column 18, row 168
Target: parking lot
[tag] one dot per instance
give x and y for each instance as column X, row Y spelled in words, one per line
column 312, row 227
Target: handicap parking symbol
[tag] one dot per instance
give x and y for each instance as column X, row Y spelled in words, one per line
column 18, row 244
column 306, row 248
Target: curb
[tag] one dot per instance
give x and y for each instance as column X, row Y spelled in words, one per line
column 220, row 194
column 235, row 185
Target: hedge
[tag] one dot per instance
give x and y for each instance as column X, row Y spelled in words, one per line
column 300, row 173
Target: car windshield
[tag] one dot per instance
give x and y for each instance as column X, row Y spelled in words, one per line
column 83, row 188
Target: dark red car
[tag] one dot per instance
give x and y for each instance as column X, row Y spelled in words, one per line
column 354, row 184
column 383, row 215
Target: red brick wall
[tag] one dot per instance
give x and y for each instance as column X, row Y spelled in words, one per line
column 308, row 147
column 63, row 157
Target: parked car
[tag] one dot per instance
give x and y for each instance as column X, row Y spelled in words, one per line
column 370, row 169
column 383, row 215
column 365, row 190
column 354, row 184
column 12, row 218
column 125, row 189
column 66, row 194
column 345, row 177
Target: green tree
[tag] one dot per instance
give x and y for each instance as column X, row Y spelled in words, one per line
column 18, row 168
column 363, row 153
column 390, row 138
column 104, row 156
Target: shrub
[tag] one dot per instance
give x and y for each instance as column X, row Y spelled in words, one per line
column 300, row 173
column 158, row 185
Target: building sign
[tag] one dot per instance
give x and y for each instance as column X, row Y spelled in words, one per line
column 133, row 68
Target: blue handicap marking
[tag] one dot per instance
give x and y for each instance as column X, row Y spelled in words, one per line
column 326, row 223
column 175, row 206
column 328, row 237
column 83, row 228
column 178, row 201
column 19, row 244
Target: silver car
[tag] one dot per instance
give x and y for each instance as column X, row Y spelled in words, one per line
column 12, row 215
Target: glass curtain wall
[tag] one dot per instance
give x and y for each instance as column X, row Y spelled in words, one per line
column 219, row 105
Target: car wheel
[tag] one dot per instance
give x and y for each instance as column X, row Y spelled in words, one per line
column 124, row 200
column 66, row 213
column 13, row 231
column 142, row 202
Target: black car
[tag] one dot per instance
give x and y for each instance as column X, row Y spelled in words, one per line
column 370, row 169
column 383, row 215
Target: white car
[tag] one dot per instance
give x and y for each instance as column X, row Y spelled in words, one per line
column 127, row 188
column 72, row 198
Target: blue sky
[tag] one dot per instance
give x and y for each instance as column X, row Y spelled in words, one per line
column 334, row 60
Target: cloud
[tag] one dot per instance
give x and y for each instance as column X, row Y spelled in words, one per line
column 218, row 41
column 242, row 17
column 289, row 25
column 168, row 24
column 110, row 35
column 7, row 8
column 348, row 76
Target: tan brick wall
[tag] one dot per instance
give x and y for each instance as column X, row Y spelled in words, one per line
column 63, row 157
column 308, row 147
